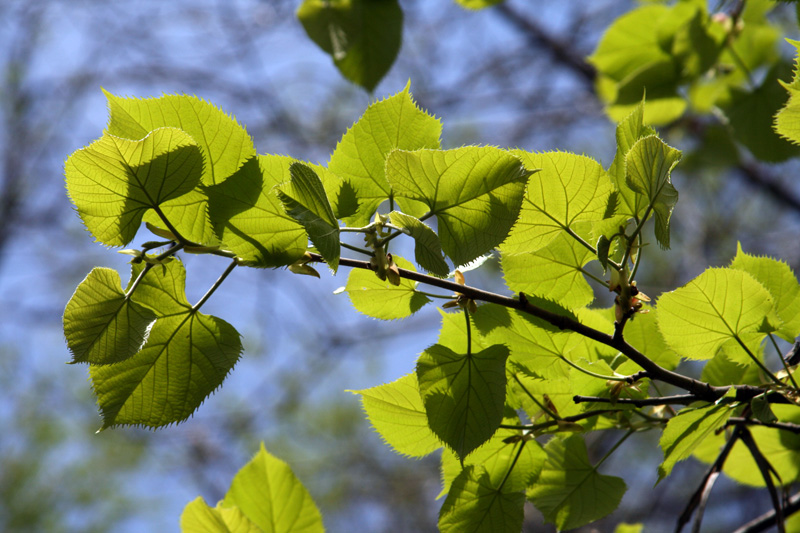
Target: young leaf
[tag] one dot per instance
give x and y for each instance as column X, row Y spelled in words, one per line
column 777, row 277
column 553, row 272
column 224, row 143
column 306, row 201
column 360, row 157
column 475, row 504
column 475, row 193
column 249, row 217
column 719, row 304
column 198, row 517
column 565, row 190
column 687, row 430
column 269, row 494
column 186, row 357
column 427, row 248
column 101, row 324
column 787, row 121
column 497, row 455
column 570, row 492
column 397, row 413
column 362, row 36
column 463, row 394
column 648, row 165
column 382, row 299
column 114, row 181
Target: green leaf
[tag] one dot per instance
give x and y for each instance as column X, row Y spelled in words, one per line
column 362, row 36
column 715, row 307
column 249, row 217
column 475, row 504
column 751, row 115
column 570, row 491
column 642, row 333
column 648, row 165
column 687, row 430
column 629, row 131
column 360, row 157
column 787, row 121
column 463, row 394
column 475, row 193
column 629, row 528
column 382, row 299
column 114, row 181
column 270, row 495
column 497, row 455
column 198, row 517
column 532, row 343
column 632, row 57
column 186, row 357
column 224, row 143
column 306, row 201
column 101, row 324
column 558, row 272
column 777, row 277
column 781, row 448
column 565, row 190
column 397, row 413
column 427, row 248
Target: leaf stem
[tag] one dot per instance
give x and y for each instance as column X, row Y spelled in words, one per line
column 216, row 285
column 356, row 249
column 171, row 251
column 590, row 373
column 757, row 362
column 614, row 448
column 783, row 361
column 513, row 464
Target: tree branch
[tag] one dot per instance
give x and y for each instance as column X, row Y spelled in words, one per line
column 701, row 391
column 767, row 520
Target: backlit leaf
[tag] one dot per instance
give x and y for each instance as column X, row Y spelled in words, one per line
column 697, row 319
column 198, row 517
column 269, row 494
column 362, row 36
column 777, row 277
column 101, row 325
column 570, row 492
column 463, row 394
column 497, row 455
column 553, row 272
column 397, row 413
column 380, row 298
column 687, row 430
column 224, row 143
column 360, row 157
column 475, row 193
column 475, row 504
column 306, row 201
column 186, row 357
column 249, row 217
column 114, row 181
column 648, row 165
column 565, row 190
column 427, row 248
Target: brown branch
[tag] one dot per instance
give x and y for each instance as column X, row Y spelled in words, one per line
column 785, row 426
column 700, row 496
column 700, row 390
column 766, row 472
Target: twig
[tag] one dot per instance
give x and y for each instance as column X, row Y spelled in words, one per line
column 700, row 496
column 702, row 391
column 766, row 472
column 786, row 426
column 680, row 399
column 767, row 520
